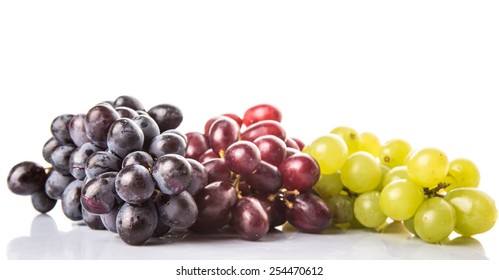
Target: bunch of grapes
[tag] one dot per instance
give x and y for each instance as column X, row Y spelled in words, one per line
column 122, row 168
column 364, row 182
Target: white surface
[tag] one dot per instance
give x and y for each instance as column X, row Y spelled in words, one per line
column 426, row 72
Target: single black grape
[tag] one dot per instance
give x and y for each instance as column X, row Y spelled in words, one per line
column 136, row 223
column 98, row 195
column 199, row 177
column 249, row 219
column 98, row 120
column 166, row 116
column 60, row 158
column 167, row 143
column 134, row 184
column 59, row 128
column 49, row 148
column 128, row 101
column 70, row 201
column 125, row 112
column 56, row 184
column 179, row 212
column 172, row 173
column 92, row 221
column 26, row 178
column 149, row 128
column 140, row 158
column 124, row 137
column 77, row 130
column 42, row 202
column 101, row 162
column 109, row 220
column 79, row 157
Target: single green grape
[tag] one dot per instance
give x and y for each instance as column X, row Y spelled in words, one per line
column 476, row 211
column 350, row 137
column 464, row 172
column 367, row 210
column 369, row 142
column 328, row 185
column 341, row 208
column 396, row 173
column 394, row 152
column 427, row 167
column 361, row 172
column 330, row 152
column 409, row 225
column 400, row 199
column 435, row 220
column 384, row 170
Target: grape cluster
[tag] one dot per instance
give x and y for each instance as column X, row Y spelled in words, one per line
column 130, row 171
column 364, row 182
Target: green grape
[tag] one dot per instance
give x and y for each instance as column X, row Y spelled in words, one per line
column 341, row 208
column 427, row 167
column 361, row 172
column 328, row 185
column 400, row 199
column 367, row 211
column 476, row 211
column 409, row 225
column 330, row 152
column 384, row 170
column 435, row 220
column 450, row 182
column 394, row 152
column 396, row 173
column 350, row 137
column 464, row 172
column 306, row 149
column 368, row 142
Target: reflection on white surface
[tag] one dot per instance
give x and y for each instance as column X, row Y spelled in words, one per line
column 46, row 241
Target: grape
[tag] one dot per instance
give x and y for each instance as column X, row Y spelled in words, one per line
column 207, row 225
column 223, row 132
column 172, row 173
column 101, row 162
column 350, row 136
column 56, row 183
column 91, row 220
column 126, row 113
column 59, row 128
column 109, row 220
column 179, row 212
column 124, row 137
column 98, row 120
column 167, row 143
column 309, row 213
column 26, row 178
column 396, row 173
column 272, row 149
column 400, row 199
column 435, row 220
column 384, row 170
column 161, row 228
column 136, row 223
column 299, row 172
column 341, row 208
column 291, row 152
column 60, row 158
column 328, row 185
column 266, row 179
column 427, row 167
column 217, row 170
column 330, row 151
column 409, row 225
column 476, row 211
column 129, row 102
column 275, row 209
column 361, row 172
column 367, row 210
column 42, row 202
column 49, row 148
column 98, row 195
column 138, row 158
column 182, row 135
column 464, row 172
column 166, row 116
column 394, row 152
column 209, row 154
column 197, row 145
column 299, row 143
column 210, row 122
column 215, row 201
column 149, row 128
column 290, row 143
column 242, row 157
column 260, row 113
column 199, row 177
column 134, row 184
column 79, row 157
column 70, row 201
column 263, row 128
column 250, row 219
column 77, row 130
column 234, row 117
column 368, row 142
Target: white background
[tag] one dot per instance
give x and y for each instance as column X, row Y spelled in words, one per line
column 424, row 71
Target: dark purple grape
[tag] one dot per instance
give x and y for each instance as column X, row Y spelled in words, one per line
column 263, row 128
column 148, row 126
column 172, row 173
column 92, row 221
column 217, row 170
column 101, row 162
column 167, row 143
column 184, row 137
column 209, row 123
column 78, row 159
column 134, row 184
column 77, row 130
column 60, row 158
column 98, row 120
column 98, row 195
column 299, row 143
column 291, row 152
column 26, row 178
column 139, row 158
column 244, row 188
column 308, row 213
column 70, row 201
column 272, row 149
column 206, row 156
column 124, row 137
column 197, row 145
column 56, row 184
column 299, row 172
column 41, row 202
column 160, row 199
column 166, row 116
column 266, row 179
column 126, row 113
column 179, row 211
column 215, row 200
column 199, row 177
column 109, row 220
column 49, row 148
column 260, row 113
column 136, row 223
column 129, row 102
column 249, row 219
column 275, row 209
column 206, row 225
column 223, row 133
column 242, row 157
column 59, row 128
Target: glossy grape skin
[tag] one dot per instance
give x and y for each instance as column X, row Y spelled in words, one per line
column 275, row 209
column 260, row 113
column 396, row 173
column 206, row 156
column 26, row 178
column 42, row 202
column 328, row 185
column 134, row 184
column 249, row 219
column 166, row 116
column 56, row 183
column 129, row 102
column 77, row 130
column 149, row 128
column 299, row 142
column 427, row 167
column 341, row 208
column 299, row 172
column 172, row 173
column 394, row 152
column 400, row 199
column 98, row 120
column 48, row 149
column 476, row 211
column 215, row 201
column 272, row 149
column 266, row 179
column 98, row 195
column 262, row 128
column 369, row 142
column 199, row 177
column 167, row 143
column 242, row 157
column 109, row 220
column 409, row 225
column 350, row 136
column 465, row 174
column 159, row 199
column 179, row 133
column 138, row 158
column 124, row 137
column 136, row 223
column 126, row 113
column 92, row 221
column 197, row 145
column 101, row 162
column 435, row 220
column 79, row 157
column 361, row 172
column 217, row 170
column 330, row 151
column 223, row 132
column 70, row 201
column 309, row 213
column 290, row 143
column 60, row 158
column 59, row 128
column 210, row 122
column 367, row 210
column 179, row 212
